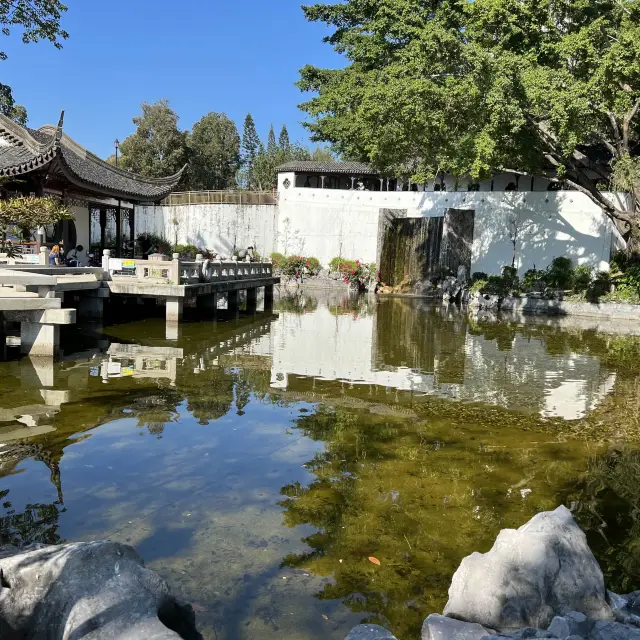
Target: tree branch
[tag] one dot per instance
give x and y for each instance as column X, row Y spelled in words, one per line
column 626, row 125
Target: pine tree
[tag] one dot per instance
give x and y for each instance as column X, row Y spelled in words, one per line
column 283, row 140
column 250, row 141
column 271, row 143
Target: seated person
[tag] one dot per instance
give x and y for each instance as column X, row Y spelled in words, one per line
column 55, row 259
column 75, row 257
column 246, row 255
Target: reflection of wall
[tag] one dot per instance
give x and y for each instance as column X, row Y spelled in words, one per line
column 433, row 352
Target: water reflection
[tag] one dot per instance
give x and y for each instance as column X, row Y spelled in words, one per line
column 257, row 463
column 409, row 346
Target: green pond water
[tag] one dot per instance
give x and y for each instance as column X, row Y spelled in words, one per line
column 256, row 463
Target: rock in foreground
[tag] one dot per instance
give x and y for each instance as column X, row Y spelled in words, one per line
column 88, row 590
column 543, row 569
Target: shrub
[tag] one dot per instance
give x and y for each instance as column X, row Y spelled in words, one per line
column 361, row 274
column 342, row 265
column 559, row 274
column 278, row 260
column 313, row 266
column 533, row 280
column 582, row 276
column 510, row 278
column 478, row 286
column 187, row 251
column 479, row 275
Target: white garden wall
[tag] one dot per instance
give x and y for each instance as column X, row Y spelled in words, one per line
column 326, row 223
column 217, row 227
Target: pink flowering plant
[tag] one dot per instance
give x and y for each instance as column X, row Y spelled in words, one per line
column 362, row 275
column 297, row 267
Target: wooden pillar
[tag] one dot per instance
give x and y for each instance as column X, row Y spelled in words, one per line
column 132, row 230
column 103, row 228
column 118, row 231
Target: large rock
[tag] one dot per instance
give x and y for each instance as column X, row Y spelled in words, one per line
column 370, row 632
column 437, row 627
column 543, row 569
column 88, row 590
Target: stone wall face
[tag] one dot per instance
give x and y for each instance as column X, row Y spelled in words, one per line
column 326, row 223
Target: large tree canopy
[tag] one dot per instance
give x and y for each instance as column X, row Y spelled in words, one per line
column 215, row 153
column 545, row 87
column 157, row 148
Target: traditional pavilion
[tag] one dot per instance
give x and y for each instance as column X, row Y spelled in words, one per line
column 332, row 175
column 46, row 161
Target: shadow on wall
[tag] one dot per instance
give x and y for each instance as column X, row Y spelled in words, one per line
column 537, row 232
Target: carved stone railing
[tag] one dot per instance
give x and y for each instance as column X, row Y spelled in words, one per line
column 178, row 271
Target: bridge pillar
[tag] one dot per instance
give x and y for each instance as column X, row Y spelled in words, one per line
column 268, row 297
column 232, row 300
column 39, row 339
column 3, row 339
column 208, row 304
column 252, row 300
column 175, row 307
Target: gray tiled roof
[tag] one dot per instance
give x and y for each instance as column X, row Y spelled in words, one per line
column 310, row 166
column 24, row 150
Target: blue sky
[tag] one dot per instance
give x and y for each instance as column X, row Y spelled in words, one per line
column 233, row 56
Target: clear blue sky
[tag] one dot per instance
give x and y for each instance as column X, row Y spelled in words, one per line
column 233, row 56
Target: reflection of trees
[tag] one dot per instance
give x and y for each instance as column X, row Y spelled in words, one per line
column 418, row 495
column 356, row 306
column 607, row 507
column 209, row 393
column 297, row 303
column 38, row 522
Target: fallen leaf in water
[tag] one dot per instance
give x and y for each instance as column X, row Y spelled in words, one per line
column 374, row 560
column 325, row 617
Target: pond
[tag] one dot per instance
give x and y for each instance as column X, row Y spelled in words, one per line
column 257, row 463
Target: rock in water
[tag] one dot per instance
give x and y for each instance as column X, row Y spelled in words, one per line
column 370, row 632
column 437, row 627
column 532, row 574
column 88, row 590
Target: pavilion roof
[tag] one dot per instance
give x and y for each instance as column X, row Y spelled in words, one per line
column 311, row 166
column 24, row 151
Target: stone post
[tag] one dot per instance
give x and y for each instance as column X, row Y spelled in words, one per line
column 106, row 254
column 176, row 268
column 44, row 256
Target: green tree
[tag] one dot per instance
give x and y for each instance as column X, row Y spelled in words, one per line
column 249, row 149
column 271, row 140
column 37, row 20
column 9, row 108
column 471, row 88
column 265, row 176
column 215, row 153
column 322, row 154
column 157, row 148
column 283, row 140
